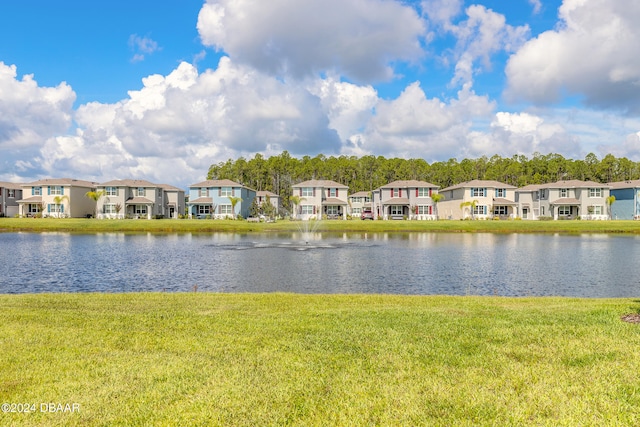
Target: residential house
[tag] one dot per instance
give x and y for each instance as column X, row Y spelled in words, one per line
column 405, row 199
column 479, row 199
column 54, row 197
column 627, row 203
column 212, row 198
column 130, row 198
column 274, row 199
column 319, row 198
column 174, row 201
column 568, row 199
column 10, row 193
column 357, row 202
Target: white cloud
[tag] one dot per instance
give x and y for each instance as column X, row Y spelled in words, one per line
column 592, row 54
column 359, row 39
column 142, row 46
column 537, row 6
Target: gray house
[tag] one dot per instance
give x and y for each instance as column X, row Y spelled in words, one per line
column 10, row 193
column 130, row 198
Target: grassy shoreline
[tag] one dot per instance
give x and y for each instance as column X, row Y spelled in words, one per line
column 285, row 359
column 208, row 226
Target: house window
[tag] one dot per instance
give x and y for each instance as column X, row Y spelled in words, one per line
column 367, row 199
column 204, row 209
column 109, row 208
column 140, row 209
column 356, row 211
column 306, row 209
column 423, row 192
column 525, row 213
column 542, row 194
column 111, row 191
column 203, row 192
column 480, row 210
column 55, row 208
column 541, row 210
column 333, row 192
column 226, row 210
column 332, row 210
column 500, row 210
column 11, row 194
column 478, row 192
column 395, row 192
column 596, row 210
column 564, row 192
column 396, row 210
column 226, row 192
column 307, row 192
column 141, row 192
column 424, row 210
column 501, row 192
column 33, row 208
column 595, row 192
column 356, row 200
column 36, row 191
column 56, row 191
column 564, row 210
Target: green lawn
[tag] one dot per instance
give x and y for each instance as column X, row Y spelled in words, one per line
column 185, row 225
column 317, row 360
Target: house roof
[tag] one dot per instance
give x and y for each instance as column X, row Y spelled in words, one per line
column 266, row 193
column 218, row 183
column 396, row 201
column 333, row 201
column 319, row 183
column 11, row 185
column 128, row 183
column 479, row 183
column 167, row 187
column 625, row 184
column 360, row 194
column 574, row 183
column 34, row 199
column 410, row 184
column 139, row 201
column 202, row 201
column 566, row 201
column 499, row 201
column 62, row 181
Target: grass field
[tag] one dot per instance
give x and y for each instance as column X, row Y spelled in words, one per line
column 317, row 360
column 204, row 226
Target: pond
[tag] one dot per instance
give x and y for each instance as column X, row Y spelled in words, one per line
column 390, row 263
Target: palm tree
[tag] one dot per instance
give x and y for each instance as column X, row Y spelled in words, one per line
column 436, row 198
column 472, row 206
column 295, row 201
column 610, row 200
column 58, row 202
column 234, row 201
column 95, row 196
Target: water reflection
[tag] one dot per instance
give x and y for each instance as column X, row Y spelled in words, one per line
column 397, row 263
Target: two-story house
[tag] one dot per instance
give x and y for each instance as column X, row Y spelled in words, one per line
column 273, row 198
column 627, row 202
column 574, row 198
column 63, row 197
column 135, row 198
column 10, row 193
column 319, row 198
column 174, row 201
column 405, row 199
column 479, row 199
column 219, row 199
column 357, row 202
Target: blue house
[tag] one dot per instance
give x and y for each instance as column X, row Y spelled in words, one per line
column 213, row 198
column 627, row 204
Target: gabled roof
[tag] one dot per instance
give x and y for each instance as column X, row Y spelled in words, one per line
column 167, row 187
column 218, row 183
column 266, row 193
column 478, row 183
column 11, row 185
column 625, row 184
column 128, row 183
column 575, row 183
column 410, row 184
column 61, row 181
column 360, row 194
column 139, row 201
column 396, row 201
column 320, row 183
column 565, row 201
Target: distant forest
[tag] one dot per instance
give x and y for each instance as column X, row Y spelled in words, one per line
column 278, row 173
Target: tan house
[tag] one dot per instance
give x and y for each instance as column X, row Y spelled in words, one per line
column 358, row 201
column 564, row 200
column 319, row 198
column 62, row 197
column 405, row 200
column 173, row 202
column 10, row 193
column 274, row 199
column 479, row 199
column 130, row 198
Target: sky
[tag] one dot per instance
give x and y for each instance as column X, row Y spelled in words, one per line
column 102, row 90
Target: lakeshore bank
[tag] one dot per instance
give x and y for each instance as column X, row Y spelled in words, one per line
column 350, row 226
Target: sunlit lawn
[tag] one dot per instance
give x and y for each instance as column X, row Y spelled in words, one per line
column 185, row 225
column 282, row 359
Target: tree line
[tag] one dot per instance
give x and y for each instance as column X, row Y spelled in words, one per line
column 278, row 173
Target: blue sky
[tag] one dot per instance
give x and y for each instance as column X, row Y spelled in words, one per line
column 159, row 91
